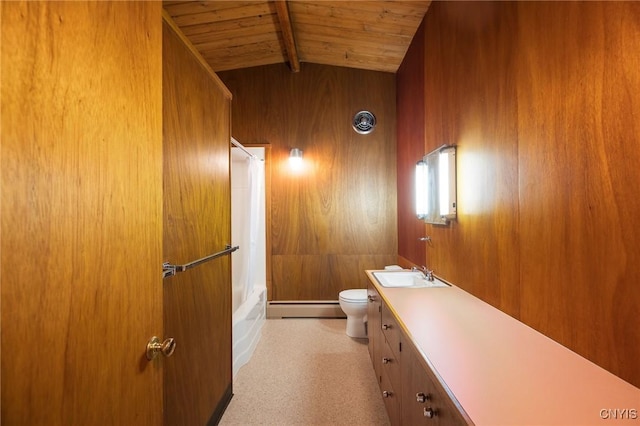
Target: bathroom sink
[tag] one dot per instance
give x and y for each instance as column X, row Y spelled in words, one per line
column 413, row 279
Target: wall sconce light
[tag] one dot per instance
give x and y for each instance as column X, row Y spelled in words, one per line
column 295, row 159
column 436, row 201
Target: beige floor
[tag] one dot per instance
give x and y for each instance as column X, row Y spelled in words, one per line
column 306, row 372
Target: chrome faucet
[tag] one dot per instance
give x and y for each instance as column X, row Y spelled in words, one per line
column 428, row 273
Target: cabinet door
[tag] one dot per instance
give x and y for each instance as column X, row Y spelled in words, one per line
column 424, row 401
column 81, row 217
column 197, row 223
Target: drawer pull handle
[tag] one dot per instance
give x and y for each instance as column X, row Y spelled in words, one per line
column 371, row 298
column 386, row 360
column 430, row 413
column 422, row 397
column 386, row 326
column 386, row 394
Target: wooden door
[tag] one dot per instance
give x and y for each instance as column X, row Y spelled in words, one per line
column 197, row 223
column 81, row 161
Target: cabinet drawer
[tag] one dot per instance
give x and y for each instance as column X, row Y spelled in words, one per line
column 390, row 365
column 391, row 399
column 391, row 330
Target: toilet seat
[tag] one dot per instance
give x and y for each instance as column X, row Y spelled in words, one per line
column 354, row 295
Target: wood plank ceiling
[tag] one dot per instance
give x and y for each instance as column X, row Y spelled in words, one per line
column 372, row 35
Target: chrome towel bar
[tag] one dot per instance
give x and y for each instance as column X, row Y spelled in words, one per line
column 169, row 269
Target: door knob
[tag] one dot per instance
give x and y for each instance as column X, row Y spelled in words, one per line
column 166, row 348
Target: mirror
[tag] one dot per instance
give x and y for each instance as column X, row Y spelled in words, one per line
column 436, row 186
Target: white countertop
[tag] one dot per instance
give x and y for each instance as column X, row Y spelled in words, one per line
column 503, row 372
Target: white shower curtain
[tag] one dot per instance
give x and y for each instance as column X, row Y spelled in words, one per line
column 256, row 174
column 248, row 229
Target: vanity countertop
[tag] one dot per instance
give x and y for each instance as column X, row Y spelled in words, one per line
column 501, row 371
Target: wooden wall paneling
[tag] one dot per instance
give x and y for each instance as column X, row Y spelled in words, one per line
column 197, row 222
column 578, row 84
column 411, row 98
column 471, row 103
column 345, row 202
column 81, row 162
column 540, row 99
column 618, row 168
column 329, row 274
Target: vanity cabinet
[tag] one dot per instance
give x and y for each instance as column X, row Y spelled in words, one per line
column 462, row 361
column 410, row 390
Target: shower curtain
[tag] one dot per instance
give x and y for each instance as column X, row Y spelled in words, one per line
column 248, row 230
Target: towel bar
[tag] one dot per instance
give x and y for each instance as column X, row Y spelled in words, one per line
column 169, row 269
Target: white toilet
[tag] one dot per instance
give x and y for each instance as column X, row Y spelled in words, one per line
column 354, row 304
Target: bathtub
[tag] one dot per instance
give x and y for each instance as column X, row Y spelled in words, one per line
column 248, row 320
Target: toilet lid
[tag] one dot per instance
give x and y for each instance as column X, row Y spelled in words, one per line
column 356, row 295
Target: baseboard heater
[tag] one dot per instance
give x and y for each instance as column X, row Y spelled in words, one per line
column 304, row 309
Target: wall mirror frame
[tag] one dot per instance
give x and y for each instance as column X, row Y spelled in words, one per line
column 436, row 201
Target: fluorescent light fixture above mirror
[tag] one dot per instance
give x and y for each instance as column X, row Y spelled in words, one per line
column 447, row 182
column 421, row 189
column 436, row 186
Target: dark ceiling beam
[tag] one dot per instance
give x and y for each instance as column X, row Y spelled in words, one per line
column 282, row 9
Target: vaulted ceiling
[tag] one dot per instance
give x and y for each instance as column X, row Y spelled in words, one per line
column 371, row 35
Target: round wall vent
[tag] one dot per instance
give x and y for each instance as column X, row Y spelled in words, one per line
column 364, row 122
